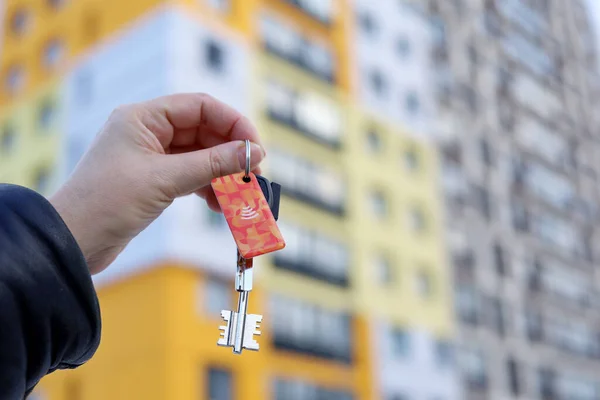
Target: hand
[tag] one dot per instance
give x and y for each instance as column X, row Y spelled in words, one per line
column 145, row 156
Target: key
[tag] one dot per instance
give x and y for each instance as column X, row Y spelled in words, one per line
column 250, row 204
column 240, row 327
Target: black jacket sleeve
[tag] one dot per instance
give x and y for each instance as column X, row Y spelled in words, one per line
column 49, row 312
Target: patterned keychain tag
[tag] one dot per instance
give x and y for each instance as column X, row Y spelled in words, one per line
column 248, row 214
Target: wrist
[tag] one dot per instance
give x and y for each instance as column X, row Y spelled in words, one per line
column 67, row 206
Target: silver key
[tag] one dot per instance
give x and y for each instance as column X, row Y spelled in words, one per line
column 241, row 327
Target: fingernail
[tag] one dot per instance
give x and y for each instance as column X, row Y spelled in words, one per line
column 257, row 153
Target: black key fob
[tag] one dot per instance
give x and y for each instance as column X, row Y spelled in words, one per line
column 272, row 192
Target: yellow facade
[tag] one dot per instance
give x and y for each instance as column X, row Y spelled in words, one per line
column 158, row 343
column 385, row 168
column 31, row 133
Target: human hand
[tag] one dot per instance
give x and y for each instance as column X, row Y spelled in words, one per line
column 145, row 156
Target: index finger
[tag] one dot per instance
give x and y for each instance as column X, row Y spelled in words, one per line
column 167, row 115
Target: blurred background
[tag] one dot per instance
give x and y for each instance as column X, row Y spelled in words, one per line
column 439, row 162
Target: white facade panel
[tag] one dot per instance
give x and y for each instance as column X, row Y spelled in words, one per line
column 412, row 367
column 163, row 54
column 392, row 48
column 204, row 59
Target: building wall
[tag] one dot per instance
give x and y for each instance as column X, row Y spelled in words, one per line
column 391, row 64
column 30, row 137
column 160, row 330
column 360, row 211
column 519, row 213
column 410, row 360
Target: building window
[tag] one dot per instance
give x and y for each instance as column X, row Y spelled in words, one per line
column 319, row 59
column 306, row 111
column 416, row 220
column 520, row 217
column 322, row 10
column 378, row 83
column 443, row 353
column 383, row 270
column 467, row 305
column 546, row 383
column 291, row 389
column 534, row 326
column 411, row 159
column 280, row 102
column 423, row 283
column 513, row 377
column 486, row 152
column 412, row 103
column 367, row 23
column 310, row 329
column 220, row 384
column 498, row 318
column 472, row 53
column 214, row 56
column 400, row 342
column 53, row 53
column 223, row 6
column 374, row 141
column 481, row 200
column 318, row 116
column 42, row 181
column 500, row 260
column 8, row 136
column 216, row 296
column 474, row 369
column 378, row 205
column 403, row 47
column 56, row 4
column 313, row 254
column 47, row 115
column 325, row 189
column 20, row 21
column 284, row 40
column 15, row 79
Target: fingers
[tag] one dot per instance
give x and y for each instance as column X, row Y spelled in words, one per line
column 186, row 173
column 193, row 115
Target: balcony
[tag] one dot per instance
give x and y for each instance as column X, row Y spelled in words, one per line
column 314, row 200
column 318, row 347
column 464, row 263
column 310, row 269
column 316, row 116
column 284, row 40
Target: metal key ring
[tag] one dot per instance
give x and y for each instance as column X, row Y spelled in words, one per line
column 247, row 172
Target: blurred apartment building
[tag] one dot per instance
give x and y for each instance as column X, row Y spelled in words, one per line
column 358, row 305
column 517, row 88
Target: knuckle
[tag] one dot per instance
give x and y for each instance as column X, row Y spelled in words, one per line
column 216, row 161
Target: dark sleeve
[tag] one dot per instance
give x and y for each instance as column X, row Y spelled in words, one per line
column 49, row 313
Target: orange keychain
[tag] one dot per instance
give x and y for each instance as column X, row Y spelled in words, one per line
column 248, row 214
column 255, row 232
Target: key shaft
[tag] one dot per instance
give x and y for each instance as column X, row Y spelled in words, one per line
column 241, row 322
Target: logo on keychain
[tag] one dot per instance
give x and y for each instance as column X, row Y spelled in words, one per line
column 247, row 212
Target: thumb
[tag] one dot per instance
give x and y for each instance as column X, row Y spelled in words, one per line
column 188, row 172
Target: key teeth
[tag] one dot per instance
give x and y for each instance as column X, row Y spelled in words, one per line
column 224, row 329
column 226, row 315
